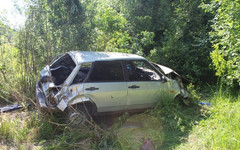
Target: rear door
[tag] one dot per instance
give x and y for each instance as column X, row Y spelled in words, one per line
column 144, row 84
column 106, row 86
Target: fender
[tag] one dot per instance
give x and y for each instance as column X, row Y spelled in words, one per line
column 80, row 100
column 64, row 103
column 83, row 99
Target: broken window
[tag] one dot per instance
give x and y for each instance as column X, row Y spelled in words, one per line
column 82, row 73
column 139, row 70
column 61, row 69
column 107, row 71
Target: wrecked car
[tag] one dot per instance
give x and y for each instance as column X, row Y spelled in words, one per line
column 97, row 82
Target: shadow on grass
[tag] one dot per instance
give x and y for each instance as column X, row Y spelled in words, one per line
column 178, row 121
column 55, row 133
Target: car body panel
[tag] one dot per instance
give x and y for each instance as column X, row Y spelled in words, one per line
column 150, row 92
column 166, row 70
column 107, row 96
column 147, row 93
column 40, row 97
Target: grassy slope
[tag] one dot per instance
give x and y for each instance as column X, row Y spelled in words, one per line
column 184, row 127
column 220, row 130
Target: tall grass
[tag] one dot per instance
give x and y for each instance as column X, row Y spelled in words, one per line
column 182, row 127
column 177, row 120
column 33, row 130
column 18, row 129
column 221, row 129
column 16, row 83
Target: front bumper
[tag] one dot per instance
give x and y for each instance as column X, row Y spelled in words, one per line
column 41, row 99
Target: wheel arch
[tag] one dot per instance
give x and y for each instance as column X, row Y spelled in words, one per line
column 86, row 102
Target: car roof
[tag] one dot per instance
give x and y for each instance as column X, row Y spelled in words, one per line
column 90, row 56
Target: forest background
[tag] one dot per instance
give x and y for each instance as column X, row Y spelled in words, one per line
column 199, row 39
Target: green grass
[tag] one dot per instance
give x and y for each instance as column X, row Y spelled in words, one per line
column 140, row 127
column 180, row 127
column 220, row 130
column 18, row 129
column 178, row 121
column 33, row 130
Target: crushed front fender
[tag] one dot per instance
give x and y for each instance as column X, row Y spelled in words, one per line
column 41, row 100
column 40, row 97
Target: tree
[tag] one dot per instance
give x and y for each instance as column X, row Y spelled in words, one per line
column 226, row 39
column 174, row 33
column 185, row 44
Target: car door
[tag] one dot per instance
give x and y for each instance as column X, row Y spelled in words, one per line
column 144, row 84
column 106, row 86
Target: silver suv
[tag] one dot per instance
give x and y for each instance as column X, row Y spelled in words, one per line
column 105, row 82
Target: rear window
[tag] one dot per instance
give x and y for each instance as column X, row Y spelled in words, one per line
column 108, row 71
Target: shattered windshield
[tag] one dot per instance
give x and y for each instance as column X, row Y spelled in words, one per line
column 61, row 69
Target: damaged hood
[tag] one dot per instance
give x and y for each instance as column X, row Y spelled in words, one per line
column 167, row 70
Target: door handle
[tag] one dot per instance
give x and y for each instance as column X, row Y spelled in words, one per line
column 91, row 89
column 134, row 87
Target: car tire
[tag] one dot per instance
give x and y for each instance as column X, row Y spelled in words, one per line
column 79, row 115
column 182, row 100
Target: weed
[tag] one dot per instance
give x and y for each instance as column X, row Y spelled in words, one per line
column 220, row 130
column 138, row 128
column 17, row 128
column 177, row 121
column 193, row 92
column 178, row 127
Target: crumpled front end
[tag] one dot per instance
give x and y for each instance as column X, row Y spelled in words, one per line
column 50, row 96
column 47, row 93
column 51, row 89
column 173, row 75
column 41, row 101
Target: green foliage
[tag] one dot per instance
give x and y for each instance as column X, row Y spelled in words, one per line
column 109, row 33
column 18, row 128
column 146, row 127
column 193, row 92
column 10, row 73
column 171, row 33
column 225, row 39
column 185, row 44
column 219, row 130
column 177, row 121
column 108, row 20
column 6, row 33
column 52, row 27
column 218, row 62
column 113, row 32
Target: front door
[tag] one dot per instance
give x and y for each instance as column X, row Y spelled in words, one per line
column 144, row 84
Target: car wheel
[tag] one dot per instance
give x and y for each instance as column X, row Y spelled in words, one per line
column 78, row 116
column 182, row 100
